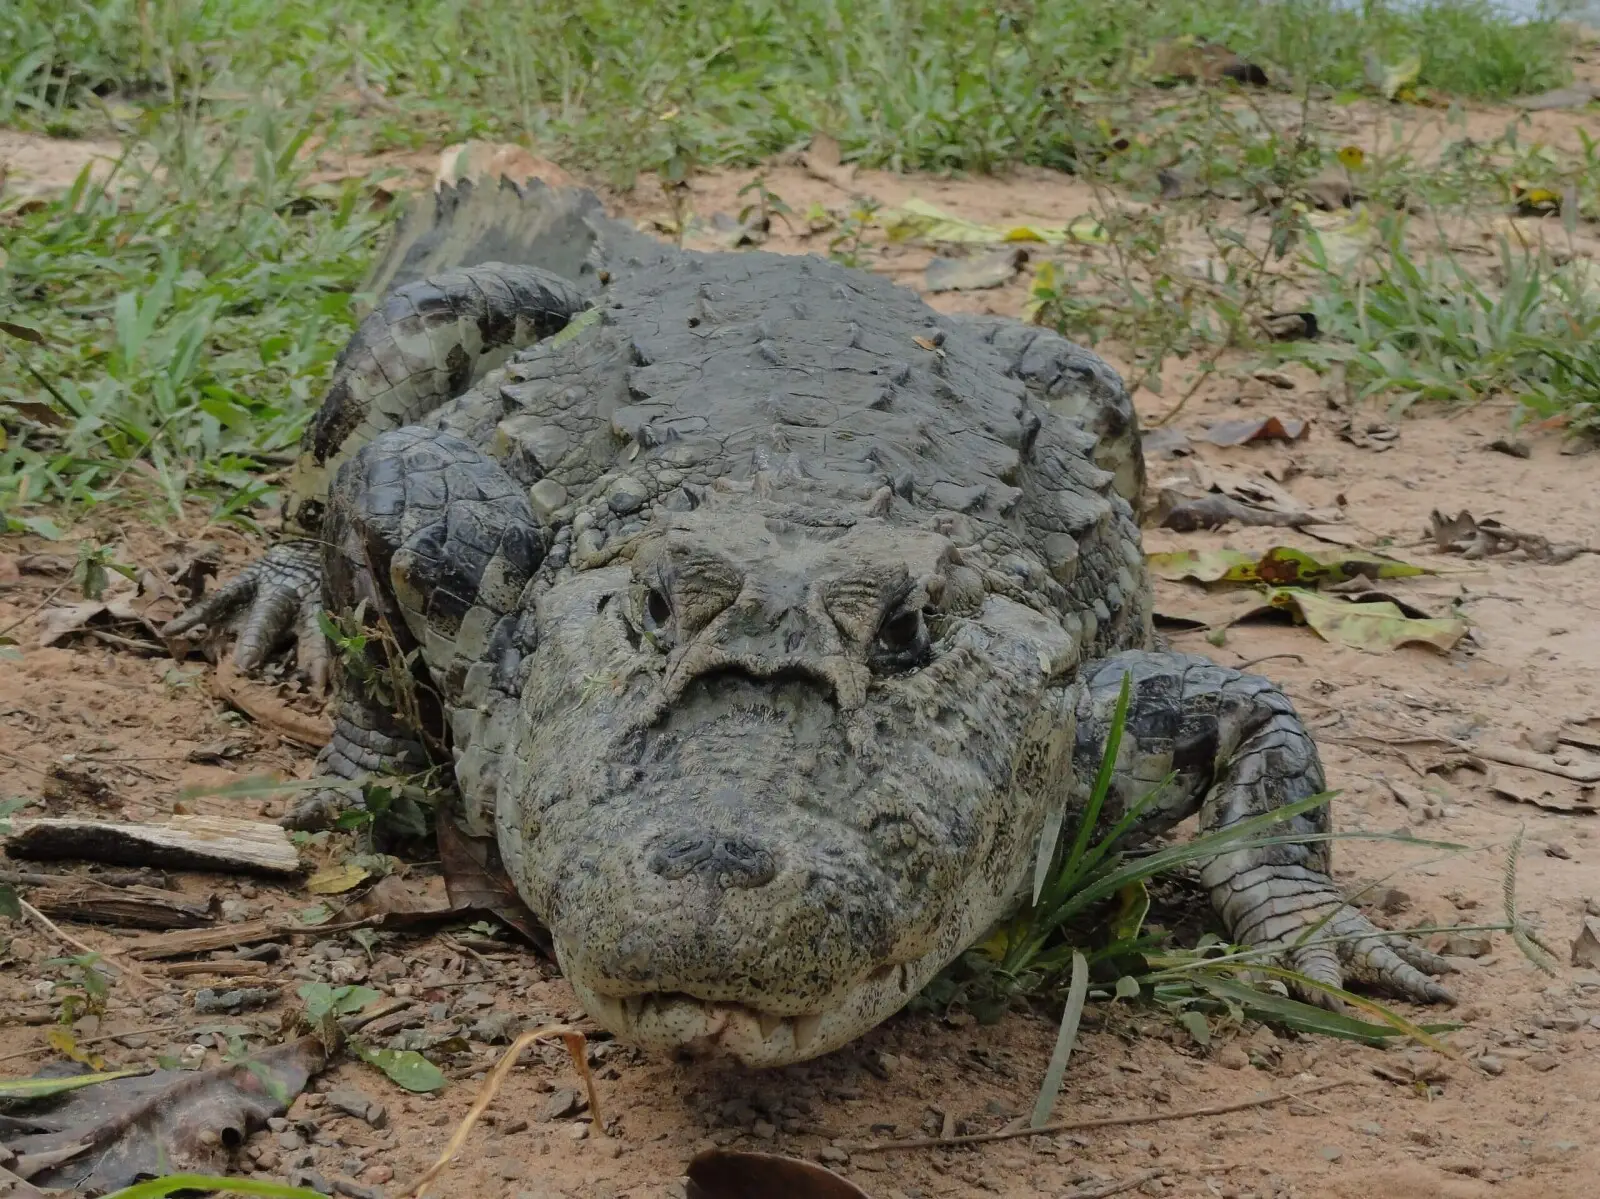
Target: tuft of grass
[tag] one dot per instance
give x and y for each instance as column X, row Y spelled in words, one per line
column 174, row 335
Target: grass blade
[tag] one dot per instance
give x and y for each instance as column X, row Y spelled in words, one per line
column 1066, row 1037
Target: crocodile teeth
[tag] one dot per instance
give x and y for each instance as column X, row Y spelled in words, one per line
column 769, row 1024
column 806, row 1029
column 633, row 1009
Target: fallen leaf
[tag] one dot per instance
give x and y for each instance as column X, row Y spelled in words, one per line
column 1165, row 440
column 1540, row 791
column 1391, row 80
column 1213, row 511
column 1190, row 59
column 391, row 896
column 732, row 1174
column 917, row 220
column 823, row 160
column 405, row 1067
column 161, row 1123
column 1586, row 946
column 993, row 269
column 1573, row 96
column 1239, row 432
column 493, row 161
column 1375, row 627
column 57, row 624
column 1290, row 326
column 1471, row 538
column 1280, row 566
column 336, row 880
column 475, row 877
column 261, row 703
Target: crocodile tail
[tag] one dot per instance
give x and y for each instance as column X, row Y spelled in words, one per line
column 561, row 230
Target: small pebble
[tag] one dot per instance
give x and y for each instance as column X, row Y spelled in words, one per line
column 1231, row 1057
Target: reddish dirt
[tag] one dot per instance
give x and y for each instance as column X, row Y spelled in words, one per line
column 1528, row 673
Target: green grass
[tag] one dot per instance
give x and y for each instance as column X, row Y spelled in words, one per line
column 172, row 341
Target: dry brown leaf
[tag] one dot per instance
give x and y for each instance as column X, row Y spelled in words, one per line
column 732, row 1174
column 1271, row 428
column 475, row 877
column 165, row 1122
column 260, row 702
column 1586, row 947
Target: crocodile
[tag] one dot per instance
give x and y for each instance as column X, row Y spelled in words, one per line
column 768, row 619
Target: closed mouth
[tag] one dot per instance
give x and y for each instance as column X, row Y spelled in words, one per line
column 700, row 1027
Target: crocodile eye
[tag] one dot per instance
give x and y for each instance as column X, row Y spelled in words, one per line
column 901, row 643
column 657, row 610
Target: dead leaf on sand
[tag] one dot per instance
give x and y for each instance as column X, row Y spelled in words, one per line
column 730, row 1174
column 1471, row 538
column 1213, row 511
column 994, row 269
column 475, row 877
column 261, row 703
column 1280, row 566
column 107, row 1136
column 1586, row 947
column 1370, row 624
column 1531, row 787
column 1241, row 432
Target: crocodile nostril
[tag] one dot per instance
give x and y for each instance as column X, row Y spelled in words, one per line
column 726, row 861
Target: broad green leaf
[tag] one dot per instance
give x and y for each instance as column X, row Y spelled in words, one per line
column 320, row 999
column 1199, row 1028
column 183, row 1184
column 1292, row 1013
column 918, row 220
column 405, row 1067
column 1280, row 566
column 335, row 880
column 1066, row 1037
column 40, row 1088
column 1376, row 627
column 1127, row 987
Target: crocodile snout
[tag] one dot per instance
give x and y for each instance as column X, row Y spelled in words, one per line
column 723, row 860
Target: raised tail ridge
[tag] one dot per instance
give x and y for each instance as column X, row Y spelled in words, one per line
column 561, row 230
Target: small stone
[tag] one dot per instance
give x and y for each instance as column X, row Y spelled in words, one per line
column 309, row 1179
column 1555, row 849
column 833, row 1157
column 236, row 911
column 546, row 496
column 1371, row 1128
column 1469, row 945
column 290, row 1141
column 494, row 1028
column 1394, row 901
column 378, row 1174
column 359, row 1104
column 764, row 1129
column 510, row 1169
column 607, row 1146
column 1330, row 1153
column 1586, row 945
column 1231, row 1057
column 1543, row 1062
column 627, row 495
column 354, row 1190
column 1490, row 1064
column 578, row 1131
column 1467, row 1169
column 561, row 1104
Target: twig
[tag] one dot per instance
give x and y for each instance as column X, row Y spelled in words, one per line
column 1267, row 658
column 1116, row 1188
column 984, row 1138
column 39, row 918
column 491, row 1087
column 100, row 1040
column 27, row 616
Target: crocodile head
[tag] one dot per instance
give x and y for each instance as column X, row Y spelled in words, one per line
column 777, row 770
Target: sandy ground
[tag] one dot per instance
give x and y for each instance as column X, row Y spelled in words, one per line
column 1515, row 1116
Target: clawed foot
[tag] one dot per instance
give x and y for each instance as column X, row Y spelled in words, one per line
column 1348, row 946
column 275, row 600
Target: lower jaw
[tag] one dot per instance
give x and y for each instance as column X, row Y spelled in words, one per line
column 674, row 1022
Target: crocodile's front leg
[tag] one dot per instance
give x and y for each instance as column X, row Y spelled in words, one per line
column 1239, row 750
column 427, row 343
column 433, row 543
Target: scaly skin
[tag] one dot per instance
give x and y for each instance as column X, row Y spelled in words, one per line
column 770, row 617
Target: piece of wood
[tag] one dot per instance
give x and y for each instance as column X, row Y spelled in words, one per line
column 182, row 843
column 126, row 907
column 226, row 968
column 186, row 942
column 1508, row 755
